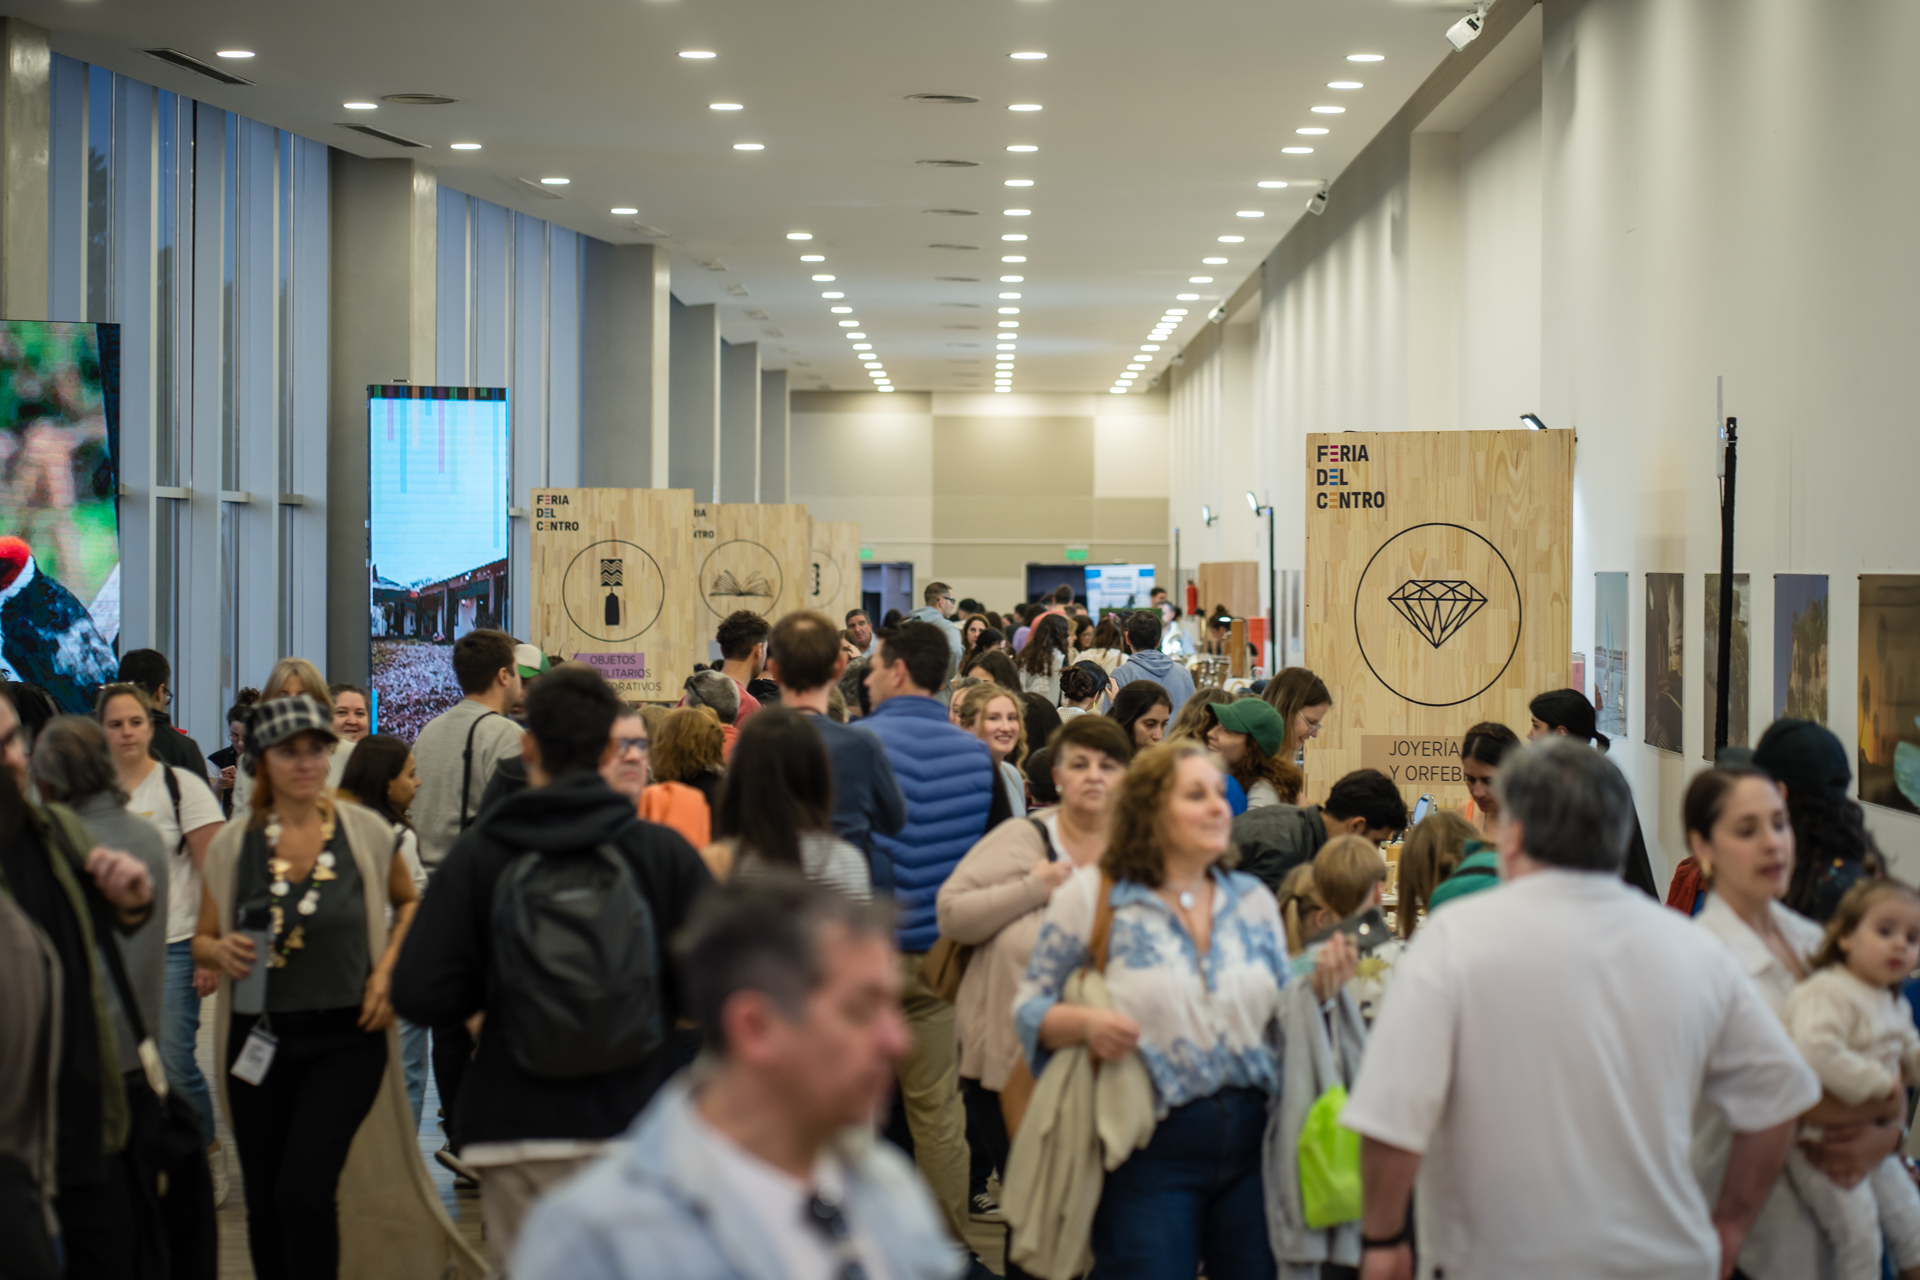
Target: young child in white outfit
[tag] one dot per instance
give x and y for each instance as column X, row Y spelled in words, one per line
column 1857, row 1032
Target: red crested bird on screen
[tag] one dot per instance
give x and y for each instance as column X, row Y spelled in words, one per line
column 46, row 635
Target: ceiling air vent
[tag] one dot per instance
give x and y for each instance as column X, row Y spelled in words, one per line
column 942, row 99
column 651, row 233
column 960, row 279
column 953, row 246
column 951, row 164
column 190, row 63
column 384, row 136
column 953, row 213
column 971, row 306
column 528, row 184
column 418, row 99
column 737, row 290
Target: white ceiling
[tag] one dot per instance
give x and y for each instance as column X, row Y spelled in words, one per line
column 1158, row 119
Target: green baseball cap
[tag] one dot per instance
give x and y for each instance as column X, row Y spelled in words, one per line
column 1254, row 717
column 530, row 661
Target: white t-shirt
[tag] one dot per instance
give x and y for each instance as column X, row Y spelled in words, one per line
column 198, row 808
column 1543, row 1044
column 778, row 1201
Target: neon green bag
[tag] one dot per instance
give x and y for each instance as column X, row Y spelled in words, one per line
column 1329, row 1164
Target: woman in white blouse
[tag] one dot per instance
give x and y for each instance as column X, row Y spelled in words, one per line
column 1195, row 965
column 1739, row 832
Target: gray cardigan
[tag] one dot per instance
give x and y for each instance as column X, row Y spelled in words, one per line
column 1321, row 1049
column 145, row 949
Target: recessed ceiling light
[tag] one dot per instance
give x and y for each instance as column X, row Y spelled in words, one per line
column 361, row 106
column 555, row 182
column 799, row 235
column 1250, row 213
column 1136, row 366
column 813, row 257
column 1009, row 311
column 822, row 278
column 623, row 212
column 1018, row 182
column 1329, row 111
column 1176, row 311
column 234, row 53
column 1023, row 146
column 1005, row 346
column 1013, row 258
column 848, row 324
column 698, row 53
column 1023, row 106
column 839, row 311
column 862, row 346
column 1232, row 239
column 1187, row 297
column 1214, row 262
column 1272, row 186
column 1013, row 237
column 725, row 106
column 887, row 390
column 856, row 335
column 749, row 146
column 1296, row 151
column 1366, row 57
column 1310, row 133
column 1012, row 279
column 1009, row 295
column 1017, row 213
column 464, row 146
column 1199, row 279
column 1345, row 84
column 1148, row 346
column 1029, row 57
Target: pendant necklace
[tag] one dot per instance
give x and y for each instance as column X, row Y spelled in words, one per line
column 1186, row 899
column 281, row 887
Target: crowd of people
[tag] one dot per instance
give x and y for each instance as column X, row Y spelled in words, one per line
column 883, row 942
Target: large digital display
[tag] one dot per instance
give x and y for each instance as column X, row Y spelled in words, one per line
column 437, row 536
column 59, row 508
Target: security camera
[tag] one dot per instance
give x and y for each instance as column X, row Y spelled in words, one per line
column 1318, row 203
column 1218, row 315
column 1467, row 30
column 1179, row 357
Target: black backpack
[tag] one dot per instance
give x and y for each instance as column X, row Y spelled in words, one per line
column 577, row 958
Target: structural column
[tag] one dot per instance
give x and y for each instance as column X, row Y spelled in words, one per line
column 740, row 422
column 25, row 107
column 693, row 455
column 381, row 327
column 625, row 343
column 774, row 436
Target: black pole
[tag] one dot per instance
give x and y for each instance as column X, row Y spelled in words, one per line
column 1723, row 690
column 1273, row 603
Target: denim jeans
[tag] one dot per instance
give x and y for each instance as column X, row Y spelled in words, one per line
column 1192, row 1195
column 180, row 1027
column 413, row 1058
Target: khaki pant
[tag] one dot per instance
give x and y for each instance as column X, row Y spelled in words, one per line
column 508, row 1193
column 930, row 1089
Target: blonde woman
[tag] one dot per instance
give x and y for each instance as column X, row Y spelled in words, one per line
column 1302, row 699
column 1347, row 876
column 293, row 677
column 1432, row 852
column 992, row 714
column 315, row 879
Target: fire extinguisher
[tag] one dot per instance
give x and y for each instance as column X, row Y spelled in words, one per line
column 1193, row 599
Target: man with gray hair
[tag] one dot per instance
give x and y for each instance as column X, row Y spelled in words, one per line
column 1537, row 1060
column 716, row 690
column 761, row 1161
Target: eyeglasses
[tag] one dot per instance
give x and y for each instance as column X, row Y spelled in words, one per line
column 632, row 744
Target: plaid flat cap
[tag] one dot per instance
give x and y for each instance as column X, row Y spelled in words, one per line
column 278, row 719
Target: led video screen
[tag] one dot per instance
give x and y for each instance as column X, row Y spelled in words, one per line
column 59, row 509
column 438, row 469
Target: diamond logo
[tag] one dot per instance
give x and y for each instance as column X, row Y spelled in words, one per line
column 1437, row 609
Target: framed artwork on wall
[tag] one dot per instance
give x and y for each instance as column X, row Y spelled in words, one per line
column 1890, row 690
column 1666, row 653
column 1610, row 653
column 1739, row 711
column 1800, row 646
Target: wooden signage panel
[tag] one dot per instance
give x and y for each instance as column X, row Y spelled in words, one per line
column 750, row 556
column 834, row 577
column 1438, row 591
column 614, row 586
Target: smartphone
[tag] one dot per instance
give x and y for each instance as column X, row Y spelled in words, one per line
column 1421, row 808
column 250, row 992
column 1367, row 928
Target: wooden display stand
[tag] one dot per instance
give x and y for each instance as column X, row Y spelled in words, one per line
column 835, row 576
column 1233, row 583
column 749, row 556
column 1438, row 594
column 614, row 585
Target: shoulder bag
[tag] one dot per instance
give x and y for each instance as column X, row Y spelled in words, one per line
column 945, row 963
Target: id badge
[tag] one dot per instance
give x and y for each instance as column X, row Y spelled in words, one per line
column 256, row 1056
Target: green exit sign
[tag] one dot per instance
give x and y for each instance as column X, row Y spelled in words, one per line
column 866, row 553
column 1076, row 555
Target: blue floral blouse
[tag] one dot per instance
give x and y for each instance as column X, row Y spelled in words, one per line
column 1206, row 1024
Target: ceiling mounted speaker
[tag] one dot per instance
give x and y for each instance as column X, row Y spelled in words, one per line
column 418, row 99
column 951, row 164
column 942, row 99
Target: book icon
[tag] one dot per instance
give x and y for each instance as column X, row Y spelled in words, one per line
column 725, row 584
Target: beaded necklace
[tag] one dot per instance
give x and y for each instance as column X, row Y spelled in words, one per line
column 281, row 887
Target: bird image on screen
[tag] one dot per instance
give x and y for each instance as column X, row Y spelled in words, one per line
column 725, row 584
column 47, row 637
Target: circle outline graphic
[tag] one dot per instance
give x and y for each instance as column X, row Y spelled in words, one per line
column 1519, row 606
column 779, row 586
column 821, row 557
column 658, row 605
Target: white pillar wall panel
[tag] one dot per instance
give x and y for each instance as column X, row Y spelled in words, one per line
column 202, row 608
column 693, row 459
column 526, row 396
column 775, row 473
column 305, row 527
column 563, row 357
column 67, row 190
column 739, row 422
column 133, row 305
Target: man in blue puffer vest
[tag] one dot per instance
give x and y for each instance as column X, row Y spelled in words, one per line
column 947, row 775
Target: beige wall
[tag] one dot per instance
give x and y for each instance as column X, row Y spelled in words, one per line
column 972, row 488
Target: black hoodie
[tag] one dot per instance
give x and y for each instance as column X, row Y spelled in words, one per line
column 445, row 972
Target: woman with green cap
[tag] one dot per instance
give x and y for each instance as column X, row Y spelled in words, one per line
column 1247, row 735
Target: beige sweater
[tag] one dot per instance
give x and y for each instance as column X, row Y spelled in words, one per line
column 994, row 902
